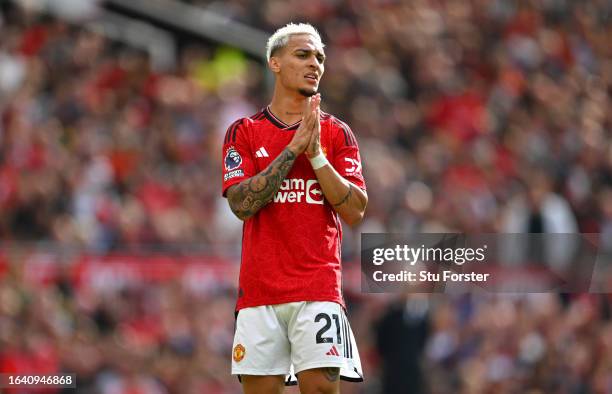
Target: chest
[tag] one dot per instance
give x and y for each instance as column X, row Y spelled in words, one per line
column 268, row 143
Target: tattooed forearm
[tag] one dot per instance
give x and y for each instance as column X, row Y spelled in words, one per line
column 332, row 374
column 347, row 197
column 250, row 195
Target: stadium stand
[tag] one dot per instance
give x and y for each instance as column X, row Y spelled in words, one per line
column 469, row 115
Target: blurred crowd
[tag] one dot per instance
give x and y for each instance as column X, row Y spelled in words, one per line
column 472, row 116
column 164, row 337
column 99, row 150
column 539, row 343
column 481, row 116
column 139, row 339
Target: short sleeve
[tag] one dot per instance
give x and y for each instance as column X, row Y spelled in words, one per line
column 346, row 159
column 237, row 159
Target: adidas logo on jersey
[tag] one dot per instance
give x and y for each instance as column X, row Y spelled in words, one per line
column 299, row 190
column 261, row 152
column 332, row 352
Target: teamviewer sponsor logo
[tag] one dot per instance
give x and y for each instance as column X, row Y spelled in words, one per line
column 299, row 190
column 355, row 165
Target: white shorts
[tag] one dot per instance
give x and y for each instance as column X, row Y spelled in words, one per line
column 286, row 339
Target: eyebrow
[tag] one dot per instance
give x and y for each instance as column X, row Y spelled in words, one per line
column 317, row 52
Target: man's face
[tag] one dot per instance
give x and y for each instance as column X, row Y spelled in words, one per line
column 299, row 65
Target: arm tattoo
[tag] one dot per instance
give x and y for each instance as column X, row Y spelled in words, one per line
column 332, row 374
column 252, row 194
column 346, row 198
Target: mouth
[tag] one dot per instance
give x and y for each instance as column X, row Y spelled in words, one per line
column 312, row 77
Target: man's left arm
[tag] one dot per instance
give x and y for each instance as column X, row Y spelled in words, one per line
column 347, row 198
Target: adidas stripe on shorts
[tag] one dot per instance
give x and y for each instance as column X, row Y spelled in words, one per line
column 286, row 339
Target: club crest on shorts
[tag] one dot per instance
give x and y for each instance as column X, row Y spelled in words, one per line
column 232, row 159
column 239, row 352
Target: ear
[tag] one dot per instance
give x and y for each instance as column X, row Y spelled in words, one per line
column 274, row 64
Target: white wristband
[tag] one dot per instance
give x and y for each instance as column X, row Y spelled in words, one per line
column 318, row 161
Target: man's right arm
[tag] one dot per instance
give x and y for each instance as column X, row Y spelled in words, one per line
column 250, row 195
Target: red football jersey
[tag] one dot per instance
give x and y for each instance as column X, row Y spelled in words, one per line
column 290, row 247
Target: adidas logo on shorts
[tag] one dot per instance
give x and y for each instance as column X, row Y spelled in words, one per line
column 332, row 352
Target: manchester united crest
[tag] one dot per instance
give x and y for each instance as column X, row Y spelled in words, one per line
column 239, row 352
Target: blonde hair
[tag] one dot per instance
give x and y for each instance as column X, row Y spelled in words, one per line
column 280, row 38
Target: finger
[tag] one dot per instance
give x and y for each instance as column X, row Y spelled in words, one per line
column 312, row 140
column 314, row 133
column 309, row 113
column 309, row 124
column 314, row 101
column 308, row 105
column 314, row 120
column 306, row 118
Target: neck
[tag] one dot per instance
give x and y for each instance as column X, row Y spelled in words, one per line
column 287, row 106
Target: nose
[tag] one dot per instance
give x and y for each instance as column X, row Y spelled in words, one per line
column 314, row 63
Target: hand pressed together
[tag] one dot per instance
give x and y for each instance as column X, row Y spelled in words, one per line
column 307, row 136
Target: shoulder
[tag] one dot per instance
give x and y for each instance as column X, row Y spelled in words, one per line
column 241, row 124
column 340, row 128
column 334, row 120
column 247, row 121
column 336, row 123
column 257, row 117
column 232, row 131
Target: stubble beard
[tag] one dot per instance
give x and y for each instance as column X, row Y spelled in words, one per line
column 307, row 93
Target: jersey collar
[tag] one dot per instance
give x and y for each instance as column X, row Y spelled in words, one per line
column 279, row 123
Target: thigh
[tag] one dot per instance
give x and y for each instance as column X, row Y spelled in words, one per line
column 252, row 384
column 261, row 346
column 317, row 334
column 320, row 380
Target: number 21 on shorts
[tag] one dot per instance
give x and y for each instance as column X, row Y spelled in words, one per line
column 320, row 338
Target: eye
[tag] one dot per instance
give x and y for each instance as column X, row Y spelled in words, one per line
column 302, row 55
column 321, row 59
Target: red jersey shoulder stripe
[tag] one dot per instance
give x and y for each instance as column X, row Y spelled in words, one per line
column 231, row 131
column 258, row 116
column 349, row 138
column 349, row 133
column 230, row 134
column 235, row 131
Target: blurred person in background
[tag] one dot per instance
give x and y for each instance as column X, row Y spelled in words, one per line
column 401, row 335
column 290, row 173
